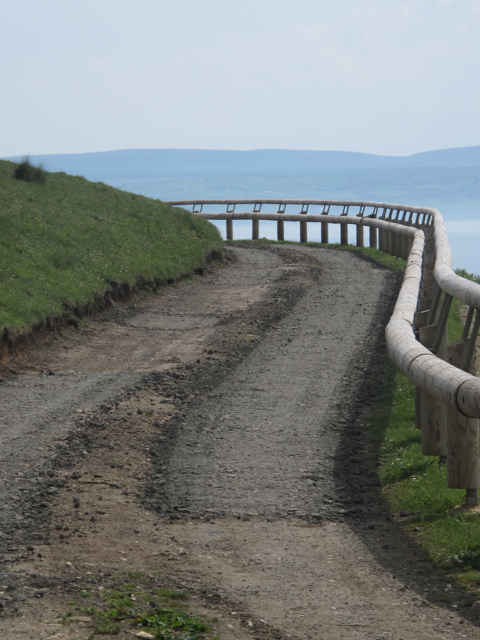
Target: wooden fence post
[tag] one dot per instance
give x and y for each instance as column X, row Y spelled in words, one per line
column 324, row 238
column 394, row 243
column 373, row 237
column 388, row 242
column 280, row 230
column 462, row 434
column 343, row 233
column 303, row 231
column 428, row 279
column 255, row 229
column 432, row 412
column 359, row 235
column 381, row 239
column 230, row 229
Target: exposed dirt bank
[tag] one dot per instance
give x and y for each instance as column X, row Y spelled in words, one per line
column 214, row 434
column 13, row 344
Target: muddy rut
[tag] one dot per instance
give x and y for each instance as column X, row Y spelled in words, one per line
column 214, row 434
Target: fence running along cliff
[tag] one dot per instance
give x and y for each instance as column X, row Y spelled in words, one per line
column 447, row 403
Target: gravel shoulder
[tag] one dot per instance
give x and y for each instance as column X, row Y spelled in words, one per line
column 213, row 435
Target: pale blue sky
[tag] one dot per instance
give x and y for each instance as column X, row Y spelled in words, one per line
column 379, row 76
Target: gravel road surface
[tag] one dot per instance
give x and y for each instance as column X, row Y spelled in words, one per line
column 267, row 440
column 220, row 424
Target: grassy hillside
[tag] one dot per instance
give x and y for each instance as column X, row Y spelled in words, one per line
column 67, row 242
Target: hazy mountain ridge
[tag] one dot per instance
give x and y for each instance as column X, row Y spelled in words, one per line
column 148, row 163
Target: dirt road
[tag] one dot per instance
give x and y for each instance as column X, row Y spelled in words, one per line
column 214, row 433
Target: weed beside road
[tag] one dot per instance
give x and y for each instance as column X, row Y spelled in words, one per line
column 137, row 606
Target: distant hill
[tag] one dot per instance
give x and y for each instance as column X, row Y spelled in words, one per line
column 432, row 178
column 152, row 163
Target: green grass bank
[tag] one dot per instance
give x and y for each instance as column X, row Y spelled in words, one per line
column 68, row 245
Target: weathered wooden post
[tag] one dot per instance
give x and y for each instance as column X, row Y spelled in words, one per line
column 426, row 327
column 229, row 221
column 388, row 242
column 281, row 223
column 255, row 229
column 401, row 246
column 406, row 240
column 394, row 243
column 229, row 229
column 462, row 431
column 257, row 207
column 280, row 230
column 373, row 237
column 303, row 231
column 360, row 234
column 324, row 225
column 303, row 224
column 433, row 293
column 431, row 412
column 381, row 239
column 324, row 238
column 344, row 226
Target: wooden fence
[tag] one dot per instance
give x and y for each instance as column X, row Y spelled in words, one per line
column 447, row 403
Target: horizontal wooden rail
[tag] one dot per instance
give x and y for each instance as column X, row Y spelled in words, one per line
column 448, row 395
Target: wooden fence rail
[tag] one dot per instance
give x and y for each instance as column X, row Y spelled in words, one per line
column 447, row 404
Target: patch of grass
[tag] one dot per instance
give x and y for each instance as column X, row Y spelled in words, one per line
column 411, row 481
column 397, row 264
column 69, row 242
column 134, row 608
